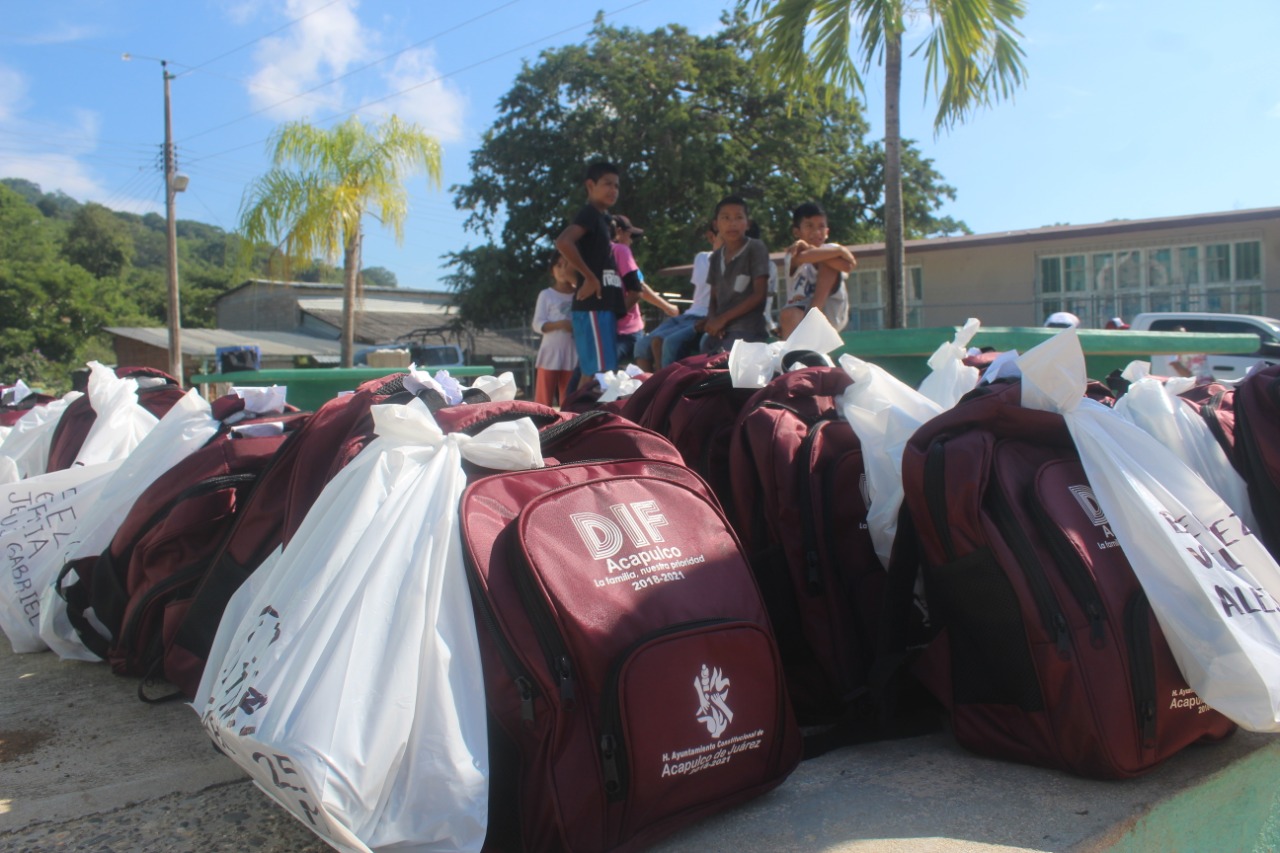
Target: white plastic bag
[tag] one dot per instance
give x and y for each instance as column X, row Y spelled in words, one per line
column 1155, row 407
column 1212, row 585
column 184, row 429
column 29, row 441
column 120, row 423
column 754, row 365
column 39, row 514
column 346, row 676
column 884, row 413
column 499, row 388
column 949, row 377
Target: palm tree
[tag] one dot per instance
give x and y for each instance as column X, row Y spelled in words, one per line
column 338, row 175
column 972, row 60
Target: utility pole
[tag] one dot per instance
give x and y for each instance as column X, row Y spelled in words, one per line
column 170, row 165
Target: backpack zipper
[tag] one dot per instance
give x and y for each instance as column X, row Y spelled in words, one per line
column 539, row 612
column 1074, row 571
column 1024, row 552
column 185, row 575
column 519, row 673
column 1141, row 666
column 808, row 526
column 935, row 495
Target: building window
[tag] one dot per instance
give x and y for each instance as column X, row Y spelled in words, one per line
column 868, row 299
column 1099, row 285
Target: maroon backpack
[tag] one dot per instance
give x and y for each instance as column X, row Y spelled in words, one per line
column 1040, row 641
column 650, row 406
column 298, row 472
column 157, row 393
column 119, row 601
column 11, row 413
column 799, row 488
column 633, row 682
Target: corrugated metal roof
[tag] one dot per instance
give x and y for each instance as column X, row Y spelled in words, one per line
column 203, row 343
column 371, row 304
column 384, row 327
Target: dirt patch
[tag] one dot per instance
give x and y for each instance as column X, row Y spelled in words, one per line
column 19, row 743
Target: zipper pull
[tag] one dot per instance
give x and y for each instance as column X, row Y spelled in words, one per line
column 813, row 571
column 1097, row 634
column 526, row 699
column 1064, row 643
column 609, row 756
column 565, row 674
column 1147, row 723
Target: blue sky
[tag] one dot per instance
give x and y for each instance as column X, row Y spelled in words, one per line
column 1132, row 109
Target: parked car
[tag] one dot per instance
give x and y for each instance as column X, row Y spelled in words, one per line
column 1226, row 366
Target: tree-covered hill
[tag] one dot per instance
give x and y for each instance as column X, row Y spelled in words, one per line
column 69, row 269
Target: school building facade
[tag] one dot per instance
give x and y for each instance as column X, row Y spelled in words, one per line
column 1223, row 262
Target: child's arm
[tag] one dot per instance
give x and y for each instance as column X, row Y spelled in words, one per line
column 716, row 323
column 832, row 255
column 648, row 294
column 567, row 243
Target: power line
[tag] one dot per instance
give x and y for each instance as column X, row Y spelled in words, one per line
column 442, row 76
column 258, row 39
column 356, row 70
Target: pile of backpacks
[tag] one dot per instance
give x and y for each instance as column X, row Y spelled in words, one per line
column 431, row 616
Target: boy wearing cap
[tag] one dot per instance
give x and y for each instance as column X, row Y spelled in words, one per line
column 599, row 300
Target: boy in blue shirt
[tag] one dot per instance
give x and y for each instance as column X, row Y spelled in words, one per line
column 588, row 247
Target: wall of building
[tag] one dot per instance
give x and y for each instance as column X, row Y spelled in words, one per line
column 997, row 282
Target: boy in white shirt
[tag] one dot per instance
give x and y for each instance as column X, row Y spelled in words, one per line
column 663, row 345
column 818, row 272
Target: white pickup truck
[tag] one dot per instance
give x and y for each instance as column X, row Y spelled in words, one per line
column 1227, row 366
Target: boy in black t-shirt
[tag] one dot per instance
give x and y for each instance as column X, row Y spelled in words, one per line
column 587, row 245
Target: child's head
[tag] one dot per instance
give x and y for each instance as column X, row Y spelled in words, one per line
column 809, row 223
column 732, row 219
column 624, row 231
column 707, row 230
column 602, row 184
column 562, row 273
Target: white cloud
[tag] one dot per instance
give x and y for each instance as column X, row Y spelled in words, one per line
column 333, row 42
column 316, row 49
column 425, row 98
column 50, row 153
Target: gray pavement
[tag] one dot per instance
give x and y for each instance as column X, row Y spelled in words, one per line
column 85, row 766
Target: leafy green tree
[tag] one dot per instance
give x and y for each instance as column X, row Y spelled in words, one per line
column 688, row 120
column 99, row 241
column 47, row 305
column 972, row 58
column 324, row 182
column 379, row 277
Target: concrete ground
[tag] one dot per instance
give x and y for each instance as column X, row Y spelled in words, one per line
column 85, row 766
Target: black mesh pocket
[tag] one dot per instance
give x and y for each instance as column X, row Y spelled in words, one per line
column 990, row 659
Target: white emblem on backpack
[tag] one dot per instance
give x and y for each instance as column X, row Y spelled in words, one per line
column 713, row 708
column 1085, row 497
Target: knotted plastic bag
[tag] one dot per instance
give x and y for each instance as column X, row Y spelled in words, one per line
column 1212, row 585
column 949, row 377
column 345, row 677
column 884, row 413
